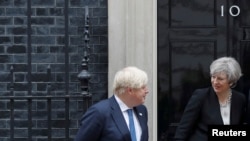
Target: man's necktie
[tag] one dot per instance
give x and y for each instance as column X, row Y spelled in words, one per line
column 131, row 125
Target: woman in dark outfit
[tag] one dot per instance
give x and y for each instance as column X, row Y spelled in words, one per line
column 216, row 105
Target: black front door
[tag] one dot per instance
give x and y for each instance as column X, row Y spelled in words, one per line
column 191, row 34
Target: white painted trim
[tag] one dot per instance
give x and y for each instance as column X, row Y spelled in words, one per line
column 132, row 31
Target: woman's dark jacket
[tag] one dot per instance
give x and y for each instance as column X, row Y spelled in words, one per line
column 203, row 109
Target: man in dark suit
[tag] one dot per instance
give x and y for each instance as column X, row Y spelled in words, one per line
column 108, row 119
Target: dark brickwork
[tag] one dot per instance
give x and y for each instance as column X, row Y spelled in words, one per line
column 36, row 35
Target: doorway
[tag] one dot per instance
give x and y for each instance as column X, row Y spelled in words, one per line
column 191, row 34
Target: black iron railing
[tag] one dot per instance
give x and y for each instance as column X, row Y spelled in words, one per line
column 43, row 117
column 40, row 109
column 46, row 117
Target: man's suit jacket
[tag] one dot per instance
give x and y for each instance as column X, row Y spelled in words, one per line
column 203, row 109
column 104, row 121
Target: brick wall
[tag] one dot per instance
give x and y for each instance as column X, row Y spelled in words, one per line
column 39, row 34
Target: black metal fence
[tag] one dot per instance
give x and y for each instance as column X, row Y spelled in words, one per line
column 41, row 117
column 25, row 116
